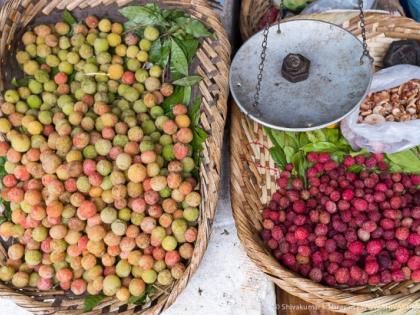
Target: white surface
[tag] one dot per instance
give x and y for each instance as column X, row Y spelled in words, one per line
column 226, row 283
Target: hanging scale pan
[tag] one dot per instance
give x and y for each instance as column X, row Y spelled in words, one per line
column 309, row 75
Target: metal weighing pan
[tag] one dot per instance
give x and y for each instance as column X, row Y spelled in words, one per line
column 336, row 86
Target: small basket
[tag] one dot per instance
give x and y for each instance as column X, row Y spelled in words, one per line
column 212, row 63
column 253, row 182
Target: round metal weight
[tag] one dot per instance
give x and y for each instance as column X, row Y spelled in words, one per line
column 336, row 84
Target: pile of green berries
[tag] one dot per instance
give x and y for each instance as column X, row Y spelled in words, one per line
column 98, row 176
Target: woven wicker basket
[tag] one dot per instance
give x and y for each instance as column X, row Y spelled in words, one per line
column 252, row 11
column 253, row 182
column 212, row 63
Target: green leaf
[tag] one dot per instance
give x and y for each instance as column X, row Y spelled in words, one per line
column 320, row 135
column 197, row 29
column 276, row 137
column 178, row 58
column 319, row 147
column 278, row 157
column 189, row 46
column 177, row 97
column 407, row 160
column 194, row 111
column 22, row 81
column 338, row 156
column 159, row 53
column 303, row 139
column 143, row 15
column 200, row 136
column 312, row 137
column 91, row 301
column 69, row 18
column 188, row 81
column 172, row 14
column 357, row 153
column 193, row 27
column 355, row 168
column 40, row 60
column 289, row 152
column 332, row 135
column 187, row 95
column 292, row 139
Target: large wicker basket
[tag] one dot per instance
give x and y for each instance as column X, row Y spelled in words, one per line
column 212, row 63
column 253, row 182
column 253, row 11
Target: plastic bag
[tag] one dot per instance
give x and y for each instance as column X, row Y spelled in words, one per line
column 387, row 137
column 325, row 5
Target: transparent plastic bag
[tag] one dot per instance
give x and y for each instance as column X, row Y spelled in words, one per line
column 387, row 137
column 326, row 5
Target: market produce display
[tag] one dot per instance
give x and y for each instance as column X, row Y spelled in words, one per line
column 354, row 224
column 99, row 155
column 401, row 103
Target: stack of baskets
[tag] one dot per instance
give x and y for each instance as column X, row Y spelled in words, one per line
column 253, row 182
column 212, row 63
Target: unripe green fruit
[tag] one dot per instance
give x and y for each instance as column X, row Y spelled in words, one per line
column 108, row 215
column 145, row 44
column 111, row 284
column 6, row 273
column 100, row 44
column 191, row 214
column 41, row 76
column 169, row 243
column 20, row 279
column 5, row 125
column 149, row 276
column 11, row 96
column 119, row 227
column 123, row 268
column 39, row 233
column 168, row 152
column 104, row 167
column 188, row 164
column 103, row 147
column 89, row 152
column 124, row 214
column 52, row 60
column 165, row 277
column 33, row 257
column 151, row 33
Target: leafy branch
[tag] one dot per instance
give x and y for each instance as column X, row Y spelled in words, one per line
column 174, row 51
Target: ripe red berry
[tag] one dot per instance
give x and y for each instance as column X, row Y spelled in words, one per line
column 401, row 254
column 371, row 267
column 342, row 275
column 301, row 233
column 356, row 247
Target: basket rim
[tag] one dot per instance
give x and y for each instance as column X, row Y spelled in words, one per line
column 214, row 61
column 340, row 300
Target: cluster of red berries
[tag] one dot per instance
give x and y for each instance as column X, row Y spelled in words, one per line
column 346, row 228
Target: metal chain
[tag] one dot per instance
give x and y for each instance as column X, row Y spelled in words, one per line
column 261, row 69
column 363, row 27
column 279, row 17
column 263, row 56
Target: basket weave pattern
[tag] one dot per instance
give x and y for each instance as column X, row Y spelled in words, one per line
column 253, row 181
column 212, row 63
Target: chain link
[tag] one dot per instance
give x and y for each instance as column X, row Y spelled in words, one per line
column 261, row 69
column 363, row 27
column 263, row 56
